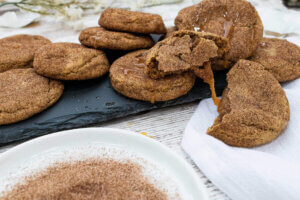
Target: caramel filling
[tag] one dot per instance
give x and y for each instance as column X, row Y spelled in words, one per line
column 206, row 74
column 136, row 68
column 228, row 27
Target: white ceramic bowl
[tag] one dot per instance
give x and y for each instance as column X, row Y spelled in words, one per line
column 187, row 180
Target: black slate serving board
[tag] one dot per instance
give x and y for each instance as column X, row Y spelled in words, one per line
column 88, row 102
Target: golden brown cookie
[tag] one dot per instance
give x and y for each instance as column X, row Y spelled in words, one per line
column 131, row 21
column 128, row 77
column 280, row 57
column 70, row 61
column 254, row 109
column 187, row 51
column 18, row 51
column 236, row 20
column 24, row 93
column 184, row 51
column 97, row 37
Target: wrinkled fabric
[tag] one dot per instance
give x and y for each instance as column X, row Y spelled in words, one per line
column 270, row 171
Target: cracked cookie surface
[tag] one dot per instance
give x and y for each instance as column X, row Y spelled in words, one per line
column 131, row 21
column 236, row 20
column 24, row 93
column 253, row 110
column 128, row 77
column 98, row 37
column 184, row 51
column 70, row 61
column 18, row 51
column 187, row 51
column 280, row 57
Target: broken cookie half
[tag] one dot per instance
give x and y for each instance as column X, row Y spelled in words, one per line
column 187, row 51
column 253, row 110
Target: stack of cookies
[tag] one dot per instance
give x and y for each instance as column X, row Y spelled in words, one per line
column 138, row 75
column 123, row 30
column 127, row 30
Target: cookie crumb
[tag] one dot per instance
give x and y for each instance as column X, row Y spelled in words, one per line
column 145, row 134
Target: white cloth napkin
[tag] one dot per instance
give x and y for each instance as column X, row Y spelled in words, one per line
column 268, row 172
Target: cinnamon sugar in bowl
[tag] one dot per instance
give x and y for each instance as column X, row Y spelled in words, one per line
column 103, row 179
column 96, row 163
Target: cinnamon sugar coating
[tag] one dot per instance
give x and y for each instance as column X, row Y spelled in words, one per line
column 18, row 51
column 131, row 21
column 98, row 37
column 70, row 61
column 253, row 110
column 128, row 77
column 24, row 93
column 280, row 57
column 237, row 20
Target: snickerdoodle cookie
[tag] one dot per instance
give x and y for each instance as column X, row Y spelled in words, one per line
column 70, row 61
column 131, row 21
column 98, row 37
column 254, row 109
column 187, row 51
column 236, row 20
column 280, row 57
column 18, row 51
column 128, row 77
column 184, row 51
column 24, row 93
